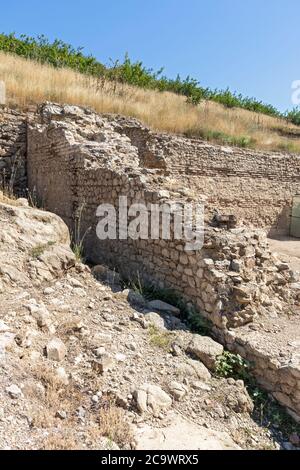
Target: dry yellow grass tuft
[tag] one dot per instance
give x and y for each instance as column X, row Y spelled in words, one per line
column 114, row 426
column 28, row 82
column 60, row 442
column 7, row 199
column 109, row 421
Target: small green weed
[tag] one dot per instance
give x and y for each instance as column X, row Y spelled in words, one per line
column 233, row 365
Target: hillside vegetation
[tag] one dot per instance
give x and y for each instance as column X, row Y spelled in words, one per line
column 35, row 71
column 60, row 54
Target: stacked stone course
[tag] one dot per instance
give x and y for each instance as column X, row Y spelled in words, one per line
column 13, row 139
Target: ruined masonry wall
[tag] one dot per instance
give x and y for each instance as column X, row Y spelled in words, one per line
column 13, row 142
column 73, row 167
column 257, row 187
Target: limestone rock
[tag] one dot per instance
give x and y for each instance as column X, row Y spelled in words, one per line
column 178, row 390
column 120, row 357
column 56, row 350
column 75, row 282
column 163, row 307
column 282, row 266
column 155, row 319
column 105, row 364
column 36, row 237
column 102, row 273
column 62, row 376
column 3, row 327
column 164, row 194
column 22, row 202
column 205, row 349
column 151, row 398
column 61, row 414
column 133, row 297
column 198, row 385
column 6, row 341
column 14, row 392
column 100, row 340
column 295, row 286
column 182, row 434
column 238, row 398
column 99, row 352
column 193, row 369
column 42, row 316
column 7, row 337
column 237, row 266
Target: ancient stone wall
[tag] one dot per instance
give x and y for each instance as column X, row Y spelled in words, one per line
column 257, row 187
column 13, row 140
column 78, row 160
column 273, row 353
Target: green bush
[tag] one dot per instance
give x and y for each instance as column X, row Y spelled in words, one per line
column 294, row 116
column 58, row 54
column 233, row 365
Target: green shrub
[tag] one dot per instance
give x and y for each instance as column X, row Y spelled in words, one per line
column 233, row 365
column 294, row 116
column 58, row 53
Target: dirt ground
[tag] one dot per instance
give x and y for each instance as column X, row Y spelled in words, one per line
column 289, row 247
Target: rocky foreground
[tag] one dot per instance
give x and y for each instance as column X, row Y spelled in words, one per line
column 86, row 364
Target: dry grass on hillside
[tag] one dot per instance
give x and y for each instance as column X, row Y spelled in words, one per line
column 6, row 198
column 28, row 82
column 109, row 421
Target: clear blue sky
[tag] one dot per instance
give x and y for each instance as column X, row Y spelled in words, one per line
column 252, row 46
